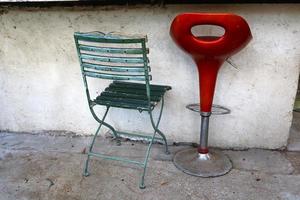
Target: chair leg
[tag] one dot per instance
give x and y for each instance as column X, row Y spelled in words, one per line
column 155, row 126
column 156, row 130
column 85, row 172
column 142, row 181
column 116, row 136
column 165, row 141
column 102, row 121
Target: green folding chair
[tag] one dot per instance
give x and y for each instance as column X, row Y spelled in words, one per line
column 124, row 60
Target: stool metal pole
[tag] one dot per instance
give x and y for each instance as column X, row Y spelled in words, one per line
column 203, row 144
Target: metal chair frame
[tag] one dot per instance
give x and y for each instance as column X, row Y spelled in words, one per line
column 120, row 93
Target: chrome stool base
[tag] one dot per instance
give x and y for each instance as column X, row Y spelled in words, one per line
column 212, row 164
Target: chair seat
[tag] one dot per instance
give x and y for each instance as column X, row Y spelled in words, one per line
column 131, row 95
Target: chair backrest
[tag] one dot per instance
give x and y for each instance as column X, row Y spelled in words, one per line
column 113, row 56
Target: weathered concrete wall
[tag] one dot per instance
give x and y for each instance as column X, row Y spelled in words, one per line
column 41, row 86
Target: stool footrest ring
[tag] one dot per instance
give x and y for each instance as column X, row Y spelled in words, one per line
column 216, row 109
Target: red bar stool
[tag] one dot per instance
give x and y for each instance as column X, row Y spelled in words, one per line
column 209, row 53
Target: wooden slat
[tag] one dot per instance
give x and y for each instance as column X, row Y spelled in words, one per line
column 112, row 59
column 140, row 86
column 112, row 49
column 137, row 102
column 113, row 68
column 132, row 96
column 122, row 105
column 105, row 39
column 134, row 91
column 115, row 76
column 124, row 95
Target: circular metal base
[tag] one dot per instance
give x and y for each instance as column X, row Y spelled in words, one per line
column 213, row 164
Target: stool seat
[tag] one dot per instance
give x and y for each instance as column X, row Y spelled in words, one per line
column 237, row 34
column 209, row 52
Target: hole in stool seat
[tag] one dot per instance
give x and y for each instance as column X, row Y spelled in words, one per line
column 208, row 32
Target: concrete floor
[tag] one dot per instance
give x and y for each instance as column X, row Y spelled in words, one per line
column 50, row 167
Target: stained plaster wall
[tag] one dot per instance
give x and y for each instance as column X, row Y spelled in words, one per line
column 41, row 87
